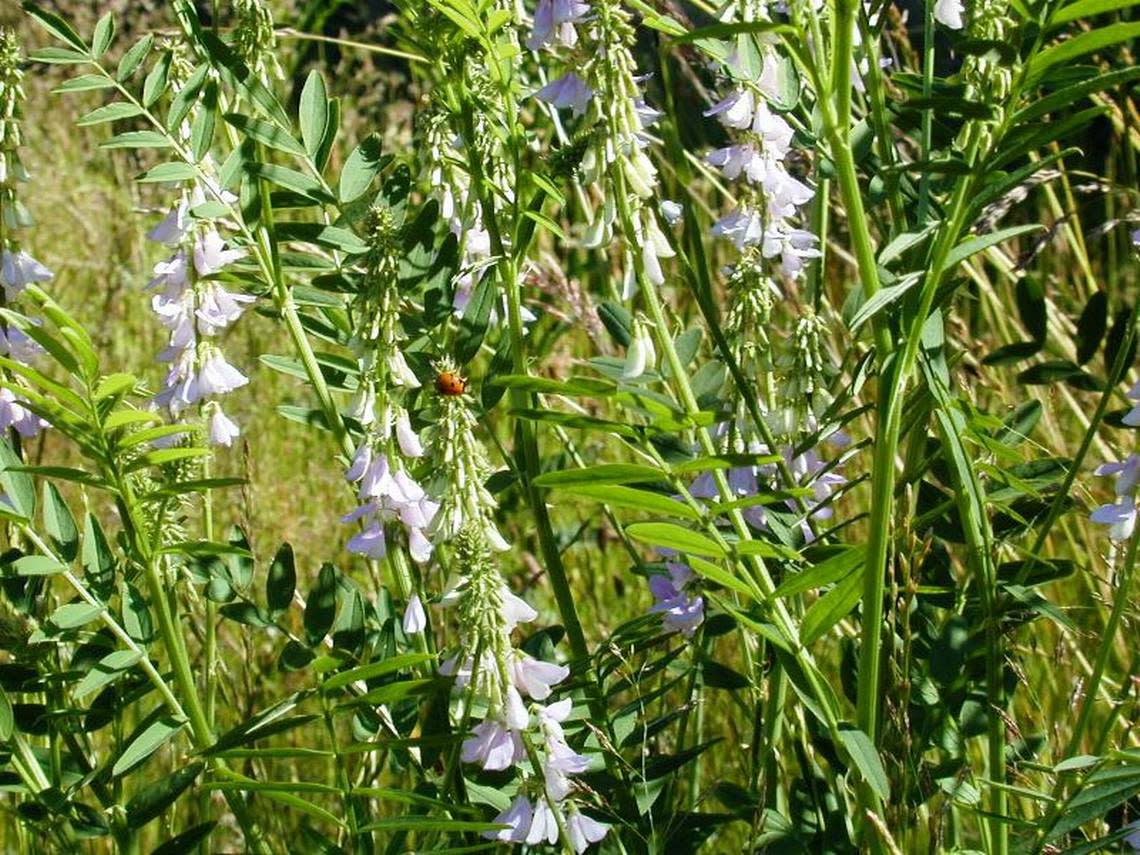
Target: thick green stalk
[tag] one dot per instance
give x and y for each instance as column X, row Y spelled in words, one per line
column 837, row 123
column 528, row 445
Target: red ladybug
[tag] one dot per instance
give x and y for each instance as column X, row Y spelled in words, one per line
column 450, row 384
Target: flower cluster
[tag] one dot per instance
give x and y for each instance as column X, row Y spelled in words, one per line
column 18, row 269
column 193, row 305
column 807, row 469
column 767, row 216
column 1120, row 516
column 605, row 89
column 507, row 686
column 387, row 491
column 450, row 181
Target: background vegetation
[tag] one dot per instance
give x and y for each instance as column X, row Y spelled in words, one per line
column 712, row 749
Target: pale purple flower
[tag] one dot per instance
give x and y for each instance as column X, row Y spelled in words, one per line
column 377, row 480
column 738, row 159
column 1133, row 839
column 1119, row 517
column 360, row 462
column 418, row 545
column 515, row 609
column 407, row 438
column 19, row 345
column 493, row 746
column 18, row 270
column 743, row 226
column 569, row 90
column 210, row 254
column 174, row 313
column 415, row 619
column 783, row 193
column 734, row 110
column 582, row 830
column 218, row 308
column 647, row 117
column 1127, row 473
column 554, row 22
column 515, row 711
column 671, row 211
column 554, row 714
column 562, row 758
column 680, row 612
column 369, row 542
column 773, row 130
column 223, row 430
column 405, row 489
column 518, row 816
column 535, row 677
column 793, row 247
column 544, row 825
column 14, row 414
column 216, row 376
column 174, row 227
column 172, row 275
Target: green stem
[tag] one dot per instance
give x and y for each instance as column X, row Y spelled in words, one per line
column 927, row 114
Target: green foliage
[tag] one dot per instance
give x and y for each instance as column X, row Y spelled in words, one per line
column 865, row 671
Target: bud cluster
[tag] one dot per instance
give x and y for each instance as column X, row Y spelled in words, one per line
column 18, row 268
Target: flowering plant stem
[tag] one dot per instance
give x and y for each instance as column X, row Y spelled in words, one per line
column 163, row 597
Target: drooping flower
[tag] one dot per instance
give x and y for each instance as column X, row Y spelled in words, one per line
column 1133, row 838
column 195, row 308
column 568, row 91
column 680, row 611
column 15, row 414
column 641, row 354
column 223, row 430
column 493, row 746
column 582, row 830
column 415, row 619
column 1127, row 473
column 172, row 230
column 216, row 376
column 518, row 817
column 211, row 255
column 19, row 270
column 1120, row 517
column 554, row 22
column 535, row 677
column 734, row 110
column 19, row 345
column 949, row 13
